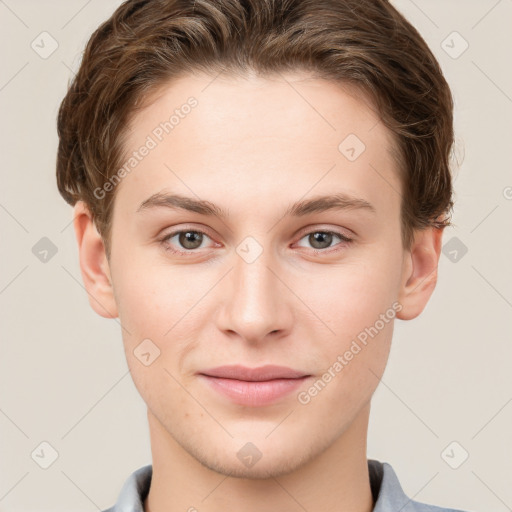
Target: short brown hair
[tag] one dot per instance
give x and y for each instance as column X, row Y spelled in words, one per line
column 366, row 43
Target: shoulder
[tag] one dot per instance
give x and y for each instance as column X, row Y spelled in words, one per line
column 390, row 495
column 415, row 506
column 134, row 491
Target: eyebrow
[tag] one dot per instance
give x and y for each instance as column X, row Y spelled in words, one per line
column 340, row 201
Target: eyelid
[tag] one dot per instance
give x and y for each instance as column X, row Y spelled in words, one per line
column 339, row 231
column 186, row 227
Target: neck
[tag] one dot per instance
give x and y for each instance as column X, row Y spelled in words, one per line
column 337, row 479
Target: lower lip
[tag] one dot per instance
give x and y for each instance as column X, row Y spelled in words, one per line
column 254, row 394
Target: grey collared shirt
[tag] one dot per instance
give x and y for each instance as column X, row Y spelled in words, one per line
column 386, row 490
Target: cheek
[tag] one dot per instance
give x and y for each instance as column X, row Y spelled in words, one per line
column 352, row 366
column 352, row 295
column 150, row 296
column 153, row 304
column 159, row 304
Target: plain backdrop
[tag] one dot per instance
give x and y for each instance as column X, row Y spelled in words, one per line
column 442, row 414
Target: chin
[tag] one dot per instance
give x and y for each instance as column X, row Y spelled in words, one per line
column 260, row 460
column 271, row 467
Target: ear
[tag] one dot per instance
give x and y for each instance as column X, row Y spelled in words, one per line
column 94, row 265
column 419, row 276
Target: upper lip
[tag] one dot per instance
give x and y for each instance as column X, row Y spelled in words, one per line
column 262, row 373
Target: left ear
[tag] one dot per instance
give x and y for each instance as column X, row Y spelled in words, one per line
column 419, row 276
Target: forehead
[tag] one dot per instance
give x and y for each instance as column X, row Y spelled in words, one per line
column 286, row 132
column 279, row 106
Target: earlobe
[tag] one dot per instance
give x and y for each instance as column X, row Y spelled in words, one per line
column 419, row 275
column 94, row 265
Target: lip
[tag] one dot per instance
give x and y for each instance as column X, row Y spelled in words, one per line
column 253, row 387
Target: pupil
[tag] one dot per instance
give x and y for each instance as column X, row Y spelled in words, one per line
column 189, row 239
column 324, row 239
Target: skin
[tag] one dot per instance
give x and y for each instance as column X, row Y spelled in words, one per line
column 254, row 146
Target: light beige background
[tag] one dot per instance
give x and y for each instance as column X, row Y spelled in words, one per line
column 63, row 375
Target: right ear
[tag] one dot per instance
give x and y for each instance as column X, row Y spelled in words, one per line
column 94, row 265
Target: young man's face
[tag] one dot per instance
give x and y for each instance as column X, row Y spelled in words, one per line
column 259, row 286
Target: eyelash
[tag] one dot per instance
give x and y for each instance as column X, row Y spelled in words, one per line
column 164, row 241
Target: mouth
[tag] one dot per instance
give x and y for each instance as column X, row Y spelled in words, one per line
column 253, row 387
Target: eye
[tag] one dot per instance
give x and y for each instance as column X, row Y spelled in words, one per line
column 188, row 239
column 322, row 240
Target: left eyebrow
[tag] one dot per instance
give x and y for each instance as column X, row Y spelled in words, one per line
column 340, row 201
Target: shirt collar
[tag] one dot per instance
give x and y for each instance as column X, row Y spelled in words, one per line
column 386, row 490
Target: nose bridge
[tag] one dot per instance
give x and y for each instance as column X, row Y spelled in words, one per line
column 256, row 304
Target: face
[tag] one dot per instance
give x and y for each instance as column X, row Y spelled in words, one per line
column 254, row 269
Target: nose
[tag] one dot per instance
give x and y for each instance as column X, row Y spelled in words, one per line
column 255, row 303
